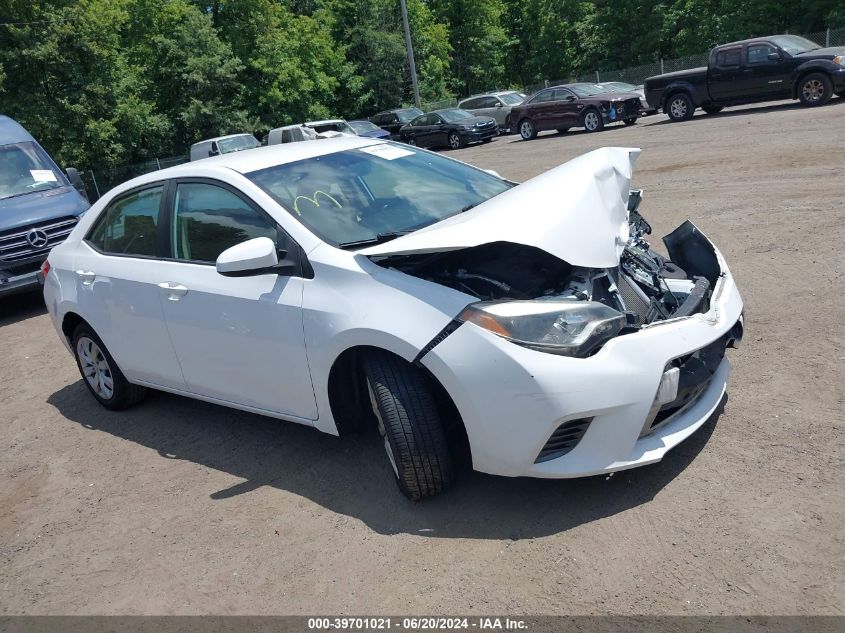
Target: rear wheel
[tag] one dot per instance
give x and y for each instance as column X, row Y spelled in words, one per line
column 593, row 121
column 101, row 374
column 679, row 107
column 815, row 89
column 712, row 109
column 630, row 120
column 409, row 422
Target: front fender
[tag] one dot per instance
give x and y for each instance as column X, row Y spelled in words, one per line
column 814, row 65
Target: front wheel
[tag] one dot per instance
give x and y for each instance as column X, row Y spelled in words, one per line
column 593, row 121
column 411, row 141
column 679, row 107
column 455, row 141
column 527, row 130
column 101, row 374
column 409, row 422
column 815, row 89
column 712, row 109
column 630, row 120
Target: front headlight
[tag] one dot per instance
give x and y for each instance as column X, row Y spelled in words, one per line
column 568, row 328
column 469, row 127
column 839, row 59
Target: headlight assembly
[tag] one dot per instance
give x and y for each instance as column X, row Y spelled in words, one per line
column 839, row 59
column 568, row 328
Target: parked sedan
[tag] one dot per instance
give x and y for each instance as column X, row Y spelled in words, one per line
column 353, row 284
column 452, row 127
column 574, row 105
column 393, row 120
column 495, row 104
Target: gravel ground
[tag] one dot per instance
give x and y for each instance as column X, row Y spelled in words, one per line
column 183, row 507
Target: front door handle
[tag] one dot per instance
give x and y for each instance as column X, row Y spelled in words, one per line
column 174, row 291
column 86, row 276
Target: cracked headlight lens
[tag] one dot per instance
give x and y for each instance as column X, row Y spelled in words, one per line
column 568, row 328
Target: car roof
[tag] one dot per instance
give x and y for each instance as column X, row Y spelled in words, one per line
column 12, row 132
column 246, row 161
column 754, row 40
column 497, row 93
column 220, row 138
column 324, row 122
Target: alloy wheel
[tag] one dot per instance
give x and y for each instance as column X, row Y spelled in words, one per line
column 813, row 90
column 526, row 129
column 454, row 141
column 95, row 367
column 678, row 107
column 591, row 121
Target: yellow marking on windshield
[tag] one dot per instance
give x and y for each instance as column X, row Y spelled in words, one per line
column 314, row 200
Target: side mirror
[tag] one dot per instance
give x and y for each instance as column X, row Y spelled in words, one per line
column 213, row 152
column 775, row 57
column 254, row 257
column 76, row 180
column 498, row 104
column 570, row 98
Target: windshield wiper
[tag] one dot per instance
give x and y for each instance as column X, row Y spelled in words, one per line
column 381, row 238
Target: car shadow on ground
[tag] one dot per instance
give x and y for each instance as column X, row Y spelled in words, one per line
column 20, row 307
column 351, row 475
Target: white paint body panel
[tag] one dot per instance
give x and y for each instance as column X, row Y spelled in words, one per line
column 267, row 343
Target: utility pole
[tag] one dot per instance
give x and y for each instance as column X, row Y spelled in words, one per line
column 410, row 48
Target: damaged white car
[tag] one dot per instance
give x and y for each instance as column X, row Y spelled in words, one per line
column 528, row 329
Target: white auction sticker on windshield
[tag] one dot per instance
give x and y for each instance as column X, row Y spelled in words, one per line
column 42, row 175
column 387, row 152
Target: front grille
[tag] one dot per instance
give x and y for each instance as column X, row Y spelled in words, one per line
column 14, row 246
column 564, row 439
column 632, row 107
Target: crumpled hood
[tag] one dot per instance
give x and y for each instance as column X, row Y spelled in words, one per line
column 577, row 212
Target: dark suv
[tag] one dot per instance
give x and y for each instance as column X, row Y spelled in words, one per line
column 39, row 206
column 393, row 120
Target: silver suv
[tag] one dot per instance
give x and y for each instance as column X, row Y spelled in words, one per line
column 495, row 104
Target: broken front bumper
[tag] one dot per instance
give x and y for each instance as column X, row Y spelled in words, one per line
column 599, row 412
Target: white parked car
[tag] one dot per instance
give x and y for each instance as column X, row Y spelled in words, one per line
column 354, row 282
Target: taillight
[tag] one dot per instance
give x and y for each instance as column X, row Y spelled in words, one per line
column 45, row 269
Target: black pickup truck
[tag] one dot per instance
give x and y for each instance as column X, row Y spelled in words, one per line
column 759, row 69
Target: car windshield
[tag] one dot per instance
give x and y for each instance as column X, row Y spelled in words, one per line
column 793, row 44
column 511, row 98
column 362, row 127
column 586, row 90
column 456, row 115
column 236, row 143
column 407, row 115
column 374, row 193
column 24, row 168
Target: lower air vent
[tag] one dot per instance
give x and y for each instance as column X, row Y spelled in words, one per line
column 564, row 439
column 633, row 299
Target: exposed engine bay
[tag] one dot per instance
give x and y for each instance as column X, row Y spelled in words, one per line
column 646, row 286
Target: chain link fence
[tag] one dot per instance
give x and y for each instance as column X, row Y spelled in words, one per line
column 98, row 181
column 638, row 74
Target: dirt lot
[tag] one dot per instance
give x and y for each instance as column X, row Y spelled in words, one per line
column 183, row 507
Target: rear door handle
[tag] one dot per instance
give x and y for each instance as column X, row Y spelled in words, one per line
column 86, row 276
column 174, row 291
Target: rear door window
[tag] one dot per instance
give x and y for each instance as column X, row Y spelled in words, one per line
column 729, row 57
column 130, row 224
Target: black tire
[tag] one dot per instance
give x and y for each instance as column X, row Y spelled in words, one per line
column 631, row 120
column 815, row 89
column 411, row 141
column 562, row 130
column 679, row 107
column 456, row 141
column 123, row 393
column 592, row 120
column 712, row 109
column 527, row 130
column 408, row 417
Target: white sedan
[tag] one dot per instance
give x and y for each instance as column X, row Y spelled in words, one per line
column 354, row 283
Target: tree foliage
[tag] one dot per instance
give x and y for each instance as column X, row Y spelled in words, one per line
column 108, row 82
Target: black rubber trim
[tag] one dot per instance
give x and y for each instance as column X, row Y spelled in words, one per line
column 441, row 336
column 692, row 304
